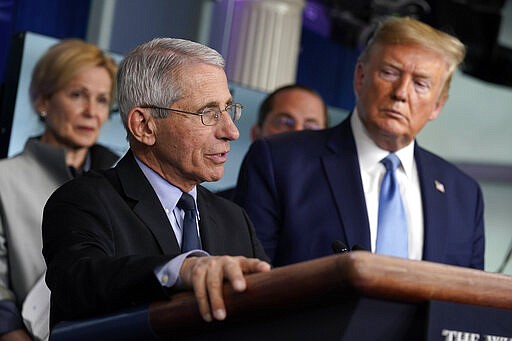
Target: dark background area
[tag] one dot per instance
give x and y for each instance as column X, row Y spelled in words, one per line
column 56, row 18
column 332, row 35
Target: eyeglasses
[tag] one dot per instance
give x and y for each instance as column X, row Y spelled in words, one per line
column 289, row 123
column 209, row 116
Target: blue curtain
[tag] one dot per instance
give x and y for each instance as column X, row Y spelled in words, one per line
column 327, row 67
column 56, row 18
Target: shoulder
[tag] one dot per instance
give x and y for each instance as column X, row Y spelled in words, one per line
column 21, row 157
column 10, row 163
column 19, row 166
column 219, row 206
column 102, row 157
column 213, row 199
column 297, row 149
column 289, row 145
column 93, row 182
column 228, row 193
column 304, row 138
column 441, row 168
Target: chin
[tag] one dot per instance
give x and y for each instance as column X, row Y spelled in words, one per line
column 85, row 142
column 393, row 127
column 214, row 177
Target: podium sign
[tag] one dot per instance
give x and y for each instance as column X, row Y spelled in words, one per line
column 462, row 322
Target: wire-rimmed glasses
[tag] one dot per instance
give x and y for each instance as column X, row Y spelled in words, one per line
column 209, row 116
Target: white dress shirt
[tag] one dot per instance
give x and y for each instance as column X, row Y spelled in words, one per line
column 372, row 172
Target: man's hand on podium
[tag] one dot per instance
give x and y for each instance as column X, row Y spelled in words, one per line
column 206, row 275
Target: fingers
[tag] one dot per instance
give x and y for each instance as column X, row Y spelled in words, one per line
column 234, row 272
column 198, row 278
column 251, row 265
column 207, row 274
column 214, row 285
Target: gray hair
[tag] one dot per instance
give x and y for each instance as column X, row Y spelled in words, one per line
column 151, row 73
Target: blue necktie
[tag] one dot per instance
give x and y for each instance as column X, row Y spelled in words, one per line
column 190, row 239
column 392, row 231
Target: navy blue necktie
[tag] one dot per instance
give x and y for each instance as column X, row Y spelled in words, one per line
column 392, row 231
column 190, row 239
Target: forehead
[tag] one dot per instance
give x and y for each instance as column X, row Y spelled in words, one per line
column 410, row 57
column 297, row 100
column 95, row 77
column 204, row 83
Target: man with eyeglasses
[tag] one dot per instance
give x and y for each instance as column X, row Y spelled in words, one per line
column 292, row 107
column 135, row 233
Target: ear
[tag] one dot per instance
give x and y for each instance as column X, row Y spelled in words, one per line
column 255, row 132
column 438, row 107
column 142, row 126
column 358, row 78
column 40, row 104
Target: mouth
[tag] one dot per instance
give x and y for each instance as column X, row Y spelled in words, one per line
column 218, row 158
column 86, row 129
column 394, row 113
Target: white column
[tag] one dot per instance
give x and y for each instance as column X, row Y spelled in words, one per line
column 264, row 43
column 101, row 19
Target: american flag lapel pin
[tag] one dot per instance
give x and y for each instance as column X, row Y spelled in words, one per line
column 439, row 186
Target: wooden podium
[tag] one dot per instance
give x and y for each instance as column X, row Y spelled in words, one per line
column 351, row 296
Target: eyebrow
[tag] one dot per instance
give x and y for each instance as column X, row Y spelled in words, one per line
column 214, row 104
column 416, row 73
column 83, row 88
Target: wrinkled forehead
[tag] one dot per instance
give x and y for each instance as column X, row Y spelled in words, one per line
column 203, row 84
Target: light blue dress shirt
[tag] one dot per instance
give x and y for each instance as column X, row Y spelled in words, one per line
column 168, row 195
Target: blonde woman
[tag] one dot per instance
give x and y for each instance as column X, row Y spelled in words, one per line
column 72, row 88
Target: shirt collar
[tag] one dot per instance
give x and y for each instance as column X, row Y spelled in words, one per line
column 370, row 154
column 167, row 193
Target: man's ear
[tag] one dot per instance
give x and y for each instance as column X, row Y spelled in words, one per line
column 358, row 78
column 255, row 132
column 142, row 126
column 438, row 107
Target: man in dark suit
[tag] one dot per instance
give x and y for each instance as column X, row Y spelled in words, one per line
column 305, row 191
column 125, row 236
column 292, row 107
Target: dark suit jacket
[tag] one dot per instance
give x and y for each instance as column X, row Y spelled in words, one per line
column 104, row 234
column 303, row 190
column 228, row 193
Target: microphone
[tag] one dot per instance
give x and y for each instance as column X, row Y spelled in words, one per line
column 358, row 247
column 338, row 247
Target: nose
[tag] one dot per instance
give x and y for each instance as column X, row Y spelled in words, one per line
column 227, row 128
column 400, row 89
column 90, row 107
column 96, row 109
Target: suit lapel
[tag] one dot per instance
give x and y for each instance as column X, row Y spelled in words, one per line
column 208, row 228
column 433, row 200
column 343, row 175
column 147, row 206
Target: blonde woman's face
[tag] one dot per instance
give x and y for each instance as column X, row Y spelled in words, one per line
column 75, row 113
